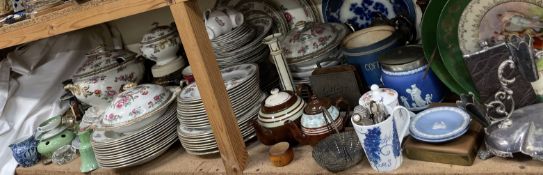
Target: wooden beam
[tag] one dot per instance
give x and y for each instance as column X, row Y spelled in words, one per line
column 73, row 18
column 190, row 24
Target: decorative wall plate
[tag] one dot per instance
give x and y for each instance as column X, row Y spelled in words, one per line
column 358, row 13
column 447, row 42
column 493, row 20
column 431, row 51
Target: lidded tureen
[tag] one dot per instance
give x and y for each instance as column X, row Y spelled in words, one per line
column 279, row 107
column 319, row 119
column 160, row 44
column 310, row 42
column 136, row 107
column 103, row 75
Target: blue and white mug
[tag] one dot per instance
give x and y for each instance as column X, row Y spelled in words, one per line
column 25, row 151
column 382, row 141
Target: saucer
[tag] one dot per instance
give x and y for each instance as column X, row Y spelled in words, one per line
column 440, row 123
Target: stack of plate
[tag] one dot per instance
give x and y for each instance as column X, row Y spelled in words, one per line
column 242, row 85
column 116, row 150
column 244, row 43
column 439, row 124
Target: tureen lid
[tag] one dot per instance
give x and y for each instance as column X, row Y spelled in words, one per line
column 384, row 95
column 314, row 106
column 308, row 38
column 403, row 59
column 100, row 60
column 135, row 103
column 158, row 32
column 278, row 101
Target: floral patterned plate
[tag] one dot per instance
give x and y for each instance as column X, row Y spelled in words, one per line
column 494, row 20
column 249, row 7
column 232, row 76
column 358, row 13
column 296, row 10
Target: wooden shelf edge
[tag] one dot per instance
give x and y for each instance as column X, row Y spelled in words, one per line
column 73, row 18
column 177, row 161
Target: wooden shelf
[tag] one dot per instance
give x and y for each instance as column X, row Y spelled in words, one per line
column 72, row 18
column 176, row 161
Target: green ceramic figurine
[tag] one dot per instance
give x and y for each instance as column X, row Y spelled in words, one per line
column 88, row 161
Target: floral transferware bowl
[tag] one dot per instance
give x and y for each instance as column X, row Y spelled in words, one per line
column 160, row 44
column 103, row 75
column 137, row 107
column 308, row 41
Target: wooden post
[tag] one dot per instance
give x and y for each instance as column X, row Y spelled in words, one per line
column 190, row 24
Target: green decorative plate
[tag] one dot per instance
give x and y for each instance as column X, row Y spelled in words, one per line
column 447, row 42
column 431, row 52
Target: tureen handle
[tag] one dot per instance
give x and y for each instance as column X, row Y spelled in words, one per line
column 129, row 85
column 75, row 89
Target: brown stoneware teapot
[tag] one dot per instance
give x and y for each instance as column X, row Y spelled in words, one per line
column 279, row 107
column 320, row 119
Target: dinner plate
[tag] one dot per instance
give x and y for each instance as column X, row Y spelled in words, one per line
column 358, row 13
column 296, row 10
column 439, row 123
column 429, row 44
column 249, row 7
column 449, row 48
column 487, row 21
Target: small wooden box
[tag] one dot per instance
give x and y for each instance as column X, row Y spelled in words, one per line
column 337, row 81
column 461, row 151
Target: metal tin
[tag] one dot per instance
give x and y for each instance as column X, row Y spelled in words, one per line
column 403, row 59
column 404, row 70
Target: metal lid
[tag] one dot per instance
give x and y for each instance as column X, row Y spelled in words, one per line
column 403, row 59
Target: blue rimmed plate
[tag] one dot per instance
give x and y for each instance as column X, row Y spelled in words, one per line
column 443, row 139
column 358, row 13
column 439, row 123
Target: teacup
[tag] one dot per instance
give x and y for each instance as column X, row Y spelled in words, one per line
column 25, row 152
column 217, row 23
column 382, row 141
column 236, row 17
column 187, row 74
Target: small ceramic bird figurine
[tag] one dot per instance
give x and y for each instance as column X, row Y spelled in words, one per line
column 517, row 22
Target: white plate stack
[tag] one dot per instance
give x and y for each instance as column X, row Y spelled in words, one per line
column 242, row 84
column 117, row 150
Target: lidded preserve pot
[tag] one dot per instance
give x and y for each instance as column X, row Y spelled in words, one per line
column 405, row 70
column 278, row 108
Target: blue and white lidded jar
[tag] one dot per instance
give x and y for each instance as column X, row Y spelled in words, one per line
column 405, row 70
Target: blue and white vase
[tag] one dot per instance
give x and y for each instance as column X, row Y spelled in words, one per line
column 25, row 151
column 382, row 141
column 405, row 70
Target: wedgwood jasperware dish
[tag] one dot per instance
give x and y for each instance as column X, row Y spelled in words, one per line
column 440, row 124
column 160, row 44
column 103, row 75
column 137, row 107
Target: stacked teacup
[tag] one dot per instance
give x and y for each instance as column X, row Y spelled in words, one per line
column 238, row 42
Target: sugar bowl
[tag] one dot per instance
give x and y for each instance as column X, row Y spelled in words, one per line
column 160, row 44
column 385, row 96
column 279, row 107
column 319, row 119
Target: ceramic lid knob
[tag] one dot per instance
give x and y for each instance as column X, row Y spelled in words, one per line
column 276, row 98
column 315, row 104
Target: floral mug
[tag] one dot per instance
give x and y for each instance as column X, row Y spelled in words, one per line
column 382, row 141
